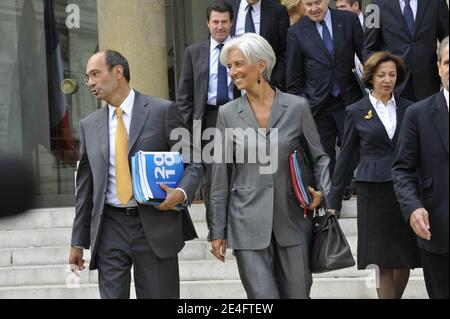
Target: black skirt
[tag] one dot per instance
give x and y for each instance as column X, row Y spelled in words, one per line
column 384, row 237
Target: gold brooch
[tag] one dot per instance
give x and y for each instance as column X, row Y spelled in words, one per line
column 369, row 115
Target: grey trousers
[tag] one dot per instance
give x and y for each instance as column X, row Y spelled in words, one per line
column 123, row 244
column 275, row 272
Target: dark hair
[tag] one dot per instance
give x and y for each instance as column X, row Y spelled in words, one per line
column 351, row 2
column 372, row 64
column 114, row 58
column 219, row 6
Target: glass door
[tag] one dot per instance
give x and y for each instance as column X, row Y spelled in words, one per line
column 45, row 46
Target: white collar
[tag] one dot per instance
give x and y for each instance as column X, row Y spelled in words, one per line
column 255, row 6
column 214, row 43
column 127, row 105
column 375, row 101
column 446, row 96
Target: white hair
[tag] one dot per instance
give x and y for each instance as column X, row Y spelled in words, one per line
column 442, row 46
column 254, row 48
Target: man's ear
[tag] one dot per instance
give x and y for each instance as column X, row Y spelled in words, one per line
column 118, row 71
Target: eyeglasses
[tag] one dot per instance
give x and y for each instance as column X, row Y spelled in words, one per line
column 94, row 75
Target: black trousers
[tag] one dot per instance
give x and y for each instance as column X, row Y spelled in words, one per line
column 435, row 270
column 123, row 244
column 330, row 125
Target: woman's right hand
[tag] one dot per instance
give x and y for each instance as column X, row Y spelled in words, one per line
column 219, row 249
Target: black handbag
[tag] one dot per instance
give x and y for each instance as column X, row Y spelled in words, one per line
column 330, row 250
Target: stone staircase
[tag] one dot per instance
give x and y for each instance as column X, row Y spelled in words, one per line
column 34, row 249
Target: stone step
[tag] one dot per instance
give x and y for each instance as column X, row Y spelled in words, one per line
column 37, row 256
column 52, row 237
column 55, row 237
column 58, row 255
column 195, row 270
column 60, row 274
column 49, row 218
column 323, row 288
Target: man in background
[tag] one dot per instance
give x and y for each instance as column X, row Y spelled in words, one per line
column 411, row 29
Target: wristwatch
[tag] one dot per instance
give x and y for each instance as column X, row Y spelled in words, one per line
column 185, row 202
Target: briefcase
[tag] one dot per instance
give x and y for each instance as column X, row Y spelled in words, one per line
column 330, row 250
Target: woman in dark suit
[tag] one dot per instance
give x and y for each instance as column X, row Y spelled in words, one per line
column 252, row 206
column 372, row 126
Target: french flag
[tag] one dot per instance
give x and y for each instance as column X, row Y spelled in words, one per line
column 61, row 140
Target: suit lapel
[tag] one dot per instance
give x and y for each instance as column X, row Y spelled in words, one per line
column 103, row 131
column 265, row 17
column 278, row 110
column 338, row 35
column 421, row 7
column 439, row 116
column 315, row 37
column 205, row 58
column 401, row 109
column 141, row 109
column 374, row 122
column 235, row 4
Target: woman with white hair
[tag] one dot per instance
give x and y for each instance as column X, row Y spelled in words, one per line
column 253, row 210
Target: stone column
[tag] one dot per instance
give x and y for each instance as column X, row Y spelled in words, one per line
column 137, row 29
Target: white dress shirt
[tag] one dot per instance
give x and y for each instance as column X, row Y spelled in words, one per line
column 329, row 24
column 446, row 97
column 256, row 15
column 127, row 107
column 413, row 4
column 214, row 73
column 386, row 113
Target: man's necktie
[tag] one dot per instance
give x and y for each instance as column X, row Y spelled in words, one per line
column 409, row 16
column 326, row 36
column 249, row 25
column 222, row 81
column 123, row 177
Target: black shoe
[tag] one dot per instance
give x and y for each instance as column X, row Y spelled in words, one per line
column 347, row 193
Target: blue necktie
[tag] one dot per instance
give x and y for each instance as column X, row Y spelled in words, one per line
column 249, row 25
column 326, row 36
column 222, row 81
column 409, row 16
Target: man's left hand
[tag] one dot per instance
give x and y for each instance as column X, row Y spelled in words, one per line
column 174, row 197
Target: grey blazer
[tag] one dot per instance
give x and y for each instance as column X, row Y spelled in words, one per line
column 246, row 206
column 152, row 121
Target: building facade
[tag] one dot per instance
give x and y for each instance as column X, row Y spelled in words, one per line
column 45, row 47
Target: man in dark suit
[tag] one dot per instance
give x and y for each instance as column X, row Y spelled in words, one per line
column 120, row 232
column 205, row 83
column 269, row 19
column 320, row 58
column 411, row 30
column 420, row 173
